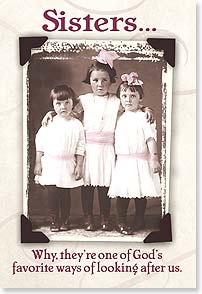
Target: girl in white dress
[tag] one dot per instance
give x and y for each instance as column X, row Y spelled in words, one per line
column 60, row 148
column 136, row 171
column 99, row 110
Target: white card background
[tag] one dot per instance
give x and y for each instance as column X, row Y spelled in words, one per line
column 173, row 19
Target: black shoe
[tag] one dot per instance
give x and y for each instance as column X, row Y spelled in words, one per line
column 105, row 225
column 64, row 223
column 90, row 227
column 65, row 227
column 123, row 229
column 54, row 227
column 89, row 224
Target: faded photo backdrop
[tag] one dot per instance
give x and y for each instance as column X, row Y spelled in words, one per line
column 63, row 62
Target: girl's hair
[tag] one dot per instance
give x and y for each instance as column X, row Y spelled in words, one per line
column 63, row 92
column 103, row 67
column 133, row 88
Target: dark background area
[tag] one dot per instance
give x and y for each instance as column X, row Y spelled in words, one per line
column 45, row 71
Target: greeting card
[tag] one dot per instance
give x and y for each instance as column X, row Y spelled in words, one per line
column 98, row 131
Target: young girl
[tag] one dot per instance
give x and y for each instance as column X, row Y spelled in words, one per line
column 137, row 166
column 59, row 156
column 100, row 110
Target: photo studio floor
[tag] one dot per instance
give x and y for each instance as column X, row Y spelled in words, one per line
column 78, row 233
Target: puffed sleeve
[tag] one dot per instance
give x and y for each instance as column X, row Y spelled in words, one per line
column 39, row 139
column 150, row 131
column 80, row 149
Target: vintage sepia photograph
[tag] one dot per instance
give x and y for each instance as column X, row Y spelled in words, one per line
column 97, row 134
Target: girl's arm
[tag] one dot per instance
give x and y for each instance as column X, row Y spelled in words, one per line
column 48, row 117
column 120, row 111
column 80, row 151
column 38, row 165
column 79, row 167
column 152, row 146
column 77, row 111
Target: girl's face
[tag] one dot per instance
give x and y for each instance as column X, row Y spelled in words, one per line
column 130, row 100
column 100, row 82
column 63, row 108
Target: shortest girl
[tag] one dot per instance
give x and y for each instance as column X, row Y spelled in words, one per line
column 59, row 156
column 137, row 166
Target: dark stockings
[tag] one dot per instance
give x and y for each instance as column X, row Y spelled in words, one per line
column 59, row 203
column 87, row 197
column 122, row 208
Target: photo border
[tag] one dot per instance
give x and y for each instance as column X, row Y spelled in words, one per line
column 159, row 48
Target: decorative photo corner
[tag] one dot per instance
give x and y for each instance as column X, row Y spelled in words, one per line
column 48, row 63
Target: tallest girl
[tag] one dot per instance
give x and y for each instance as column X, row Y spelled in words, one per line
column 100, row 111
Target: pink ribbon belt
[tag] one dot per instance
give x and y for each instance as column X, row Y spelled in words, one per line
column 144, row 156
column 100, row 138
column 61, row 157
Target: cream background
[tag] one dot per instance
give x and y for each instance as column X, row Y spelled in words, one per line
column 173, row 19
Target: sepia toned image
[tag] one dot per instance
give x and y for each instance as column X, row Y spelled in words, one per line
column 97, row 133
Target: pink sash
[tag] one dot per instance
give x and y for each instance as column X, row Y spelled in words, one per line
column 145, row 156
column 61, row 157
column 100, row 138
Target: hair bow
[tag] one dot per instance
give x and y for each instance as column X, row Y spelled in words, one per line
column 132, row 79
column 106, row 57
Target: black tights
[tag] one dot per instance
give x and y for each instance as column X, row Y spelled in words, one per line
column 122, row 207
column 87, row 197
column 59, row 202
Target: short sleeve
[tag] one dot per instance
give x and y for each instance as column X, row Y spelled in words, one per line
column 150, row 131
column 80, row 149
column 40, row 138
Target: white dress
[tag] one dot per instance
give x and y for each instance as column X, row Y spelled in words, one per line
column 99, row 121
column 132, row 176
column 60, row 141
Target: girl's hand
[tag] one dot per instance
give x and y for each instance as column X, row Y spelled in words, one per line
column 38, row 169
column 149, row 114
column 48, row 117
column 155, row 166
column 78, row 172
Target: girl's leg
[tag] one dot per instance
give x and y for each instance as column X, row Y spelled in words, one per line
column 87, row 196
column 122, row 208
column 65, row 206
column 140, row 207
column 53, row 197
column 105, row 205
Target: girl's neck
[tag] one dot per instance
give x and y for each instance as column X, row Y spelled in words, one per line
column 134, row 111
column 68, row 117
column 106, row 95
